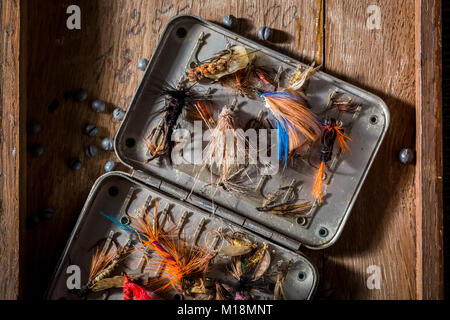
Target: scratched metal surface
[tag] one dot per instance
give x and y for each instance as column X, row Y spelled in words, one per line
column 92, row 227
column 345, row 181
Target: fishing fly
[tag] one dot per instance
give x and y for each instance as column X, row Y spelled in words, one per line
column 283, row 269
column 238, row 81
column 332, row 131
column 296, row 125
column 133, row 291
column 284, row 202
column 246, row 82
column 104, row 262
column 118, row 281
column 287, row 208
column 159, row 140
column 180, row 261
column 247, row 271
column 238, row 245
column 223, row 154
column 341, row 104
column 221, row 64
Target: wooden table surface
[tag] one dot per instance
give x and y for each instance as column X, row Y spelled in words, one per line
column 446, row 135
column 389, row 224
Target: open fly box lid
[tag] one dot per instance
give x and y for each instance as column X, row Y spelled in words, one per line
column 347, row 171
column 187, row 199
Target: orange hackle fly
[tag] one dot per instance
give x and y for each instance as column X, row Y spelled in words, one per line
column 165, row 248
column 342, row 138
column 317, row 189
column 331, row 132
column 238, row 81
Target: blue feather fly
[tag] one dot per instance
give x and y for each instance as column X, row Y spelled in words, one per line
column 283, row 141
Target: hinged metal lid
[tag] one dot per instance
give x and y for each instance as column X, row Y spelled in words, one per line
column 347, row 172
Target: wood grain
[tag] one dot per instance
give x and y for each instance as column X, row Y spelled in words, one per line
column 102, row 58
column 445, row 16
column 11, row 201
column 429, row 213
column 381, row 229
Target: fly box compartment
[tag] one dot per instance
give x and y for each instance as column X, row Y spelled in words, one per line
column 188, row 198
column 124, row 198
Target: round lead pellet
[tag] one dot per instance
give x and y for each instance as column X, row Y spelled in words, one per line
column 142, row 64
column 107, row 144
column 36, row 150
column 118, row 114
column 98, row 105
column 91, row 151
column 264, row 33
column 91, row 130
column 406, row 155
column 80, row 95
column 74, row 164
column 109, row 166
column 229, row 21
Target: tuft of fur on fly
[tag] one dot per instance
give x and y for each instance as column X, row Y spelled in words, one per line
column 223, row 63
column 221, row 154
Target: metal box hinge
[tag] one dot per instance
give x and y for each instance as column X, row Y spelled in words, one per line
column 146, row 179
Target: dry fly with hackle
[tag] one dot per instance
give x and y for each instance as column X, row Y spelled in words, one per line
column 238, row 245
column 341, row 104
column 220, row 156
column 278, row 291
column 247, row 81
column 283, row 202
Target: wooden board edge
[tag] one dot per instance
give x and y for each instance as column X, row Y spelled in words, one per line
column 429, row 168
column 12, row 159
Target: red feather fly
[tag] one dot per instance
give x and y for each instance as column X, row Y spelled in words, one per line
column 132, row 291
column 166, row 248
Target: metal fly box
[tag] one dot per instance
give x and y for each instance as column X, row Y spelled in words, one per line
column 186, row 199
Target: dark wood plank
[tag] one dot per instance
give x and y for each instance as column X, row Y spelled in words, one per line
column 429, row 213
column 11, row 195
